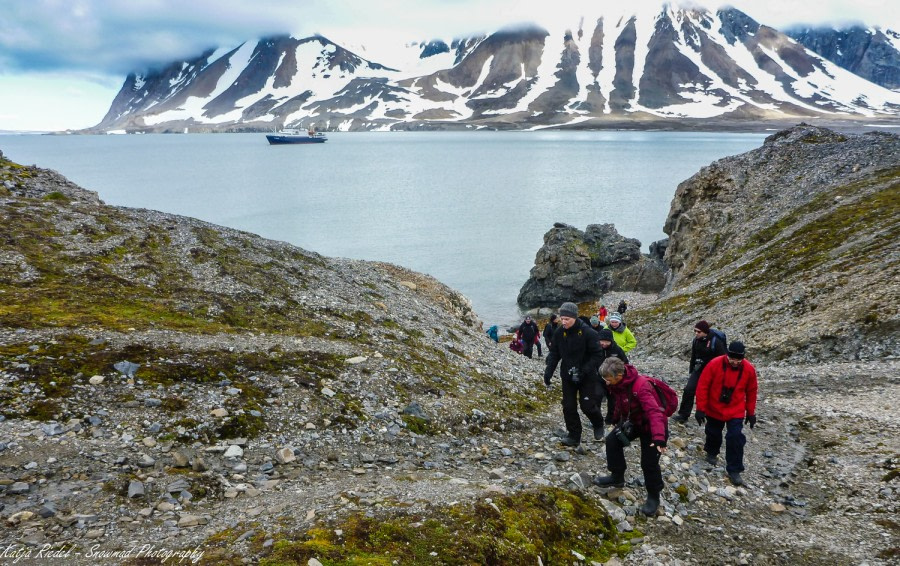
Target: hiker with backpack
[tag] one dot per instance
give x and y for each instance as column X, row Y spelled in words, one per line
column 528, row 331
column 726, row 399
column 640, row 409
column 708, row 343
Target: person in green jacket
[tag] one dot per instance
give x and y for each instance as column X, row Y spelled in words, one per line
column 621, row 334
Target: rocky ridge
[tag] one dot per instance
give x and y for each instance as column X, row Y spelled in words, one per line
column 797, row 236
column 170, row 383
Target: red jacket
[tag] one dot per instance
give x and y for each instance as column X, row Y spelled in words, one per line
column 636, row 400
column 718, row 372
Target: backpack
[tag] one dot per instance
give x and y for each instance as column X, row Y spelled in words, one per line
column 668, row 398
column 716, row 334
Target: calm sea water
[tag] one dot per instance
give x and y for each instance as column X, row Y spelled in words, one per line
column 469, row 208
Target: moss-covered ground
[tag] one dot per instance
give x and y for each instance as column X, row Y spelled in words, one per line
column 549, row 525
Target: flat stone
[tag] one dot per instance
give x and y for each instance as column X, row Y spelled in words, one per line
column 135, row 489
column 180, row 460
column 191, row 520
column 146, row 461
column 96, row 380
column 219, row 412
column 357, row 360
column 234, row 452
column 328, row 392
column 19, row 517
column 18, row 488
column 285, row 455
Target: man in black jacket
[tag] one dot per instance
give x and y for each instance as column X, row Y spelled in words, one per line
column 705, row 346
column 528, row 330
column 577, row 346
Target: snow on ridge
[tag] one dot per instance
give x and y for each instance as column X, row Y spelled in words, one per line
column 193, row 106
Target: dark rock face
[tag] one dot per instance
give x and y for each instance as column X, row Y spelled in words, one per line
column 580, row 266
column 865, row 52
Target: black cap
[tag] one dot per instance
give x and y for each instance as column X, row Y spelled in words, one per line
column 605, row 334
column 736, row 350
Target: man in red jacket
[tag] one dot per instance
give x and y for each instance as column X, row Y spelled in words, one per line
column 637, row 404
column 726, row 397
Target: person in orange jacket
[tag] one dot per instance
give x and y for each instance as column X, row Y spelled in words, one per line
column 726, row 398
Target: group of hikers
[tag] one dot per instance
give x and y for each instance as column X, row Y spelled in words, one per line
column 527, row 335
column 594, row 364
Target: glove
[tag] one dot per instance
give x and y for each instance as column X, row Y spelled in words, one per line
column 660, row 443
column 751, row 420
column 547, row 380
column 700, row 416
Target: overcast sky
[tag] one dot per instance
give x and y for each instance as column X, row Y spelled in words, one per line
column 63, row 61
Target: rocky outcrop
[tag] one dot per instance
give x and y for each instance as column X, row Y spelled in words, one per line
column 579, row 266
column 790, row 247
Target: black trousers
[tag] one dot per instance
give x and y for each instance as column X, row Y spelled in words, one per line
column 538, row 344
column 687, row 397
column 734, row 442
column 586, row 394
column 615, row 460
column 527, row 347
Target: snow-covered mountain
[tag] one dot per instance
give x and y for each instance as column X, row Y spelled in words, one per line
column 607, row 68
column 871, row 53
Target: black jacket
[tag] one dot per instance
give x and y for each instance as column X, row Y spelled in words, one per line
column 528, row 330
column 549, row 329
column 576, row 347
column 614, row 351
column 703, row 350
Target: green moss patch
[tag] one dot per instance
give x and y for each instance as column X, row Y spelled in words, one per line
column 519, row 529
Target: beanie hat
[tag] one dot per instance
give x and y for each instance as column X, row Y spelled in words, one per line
column 605, row 334
column 595, row 320
column 615, row 316
column 736, row 350
column 702, row 326
column 569, row 309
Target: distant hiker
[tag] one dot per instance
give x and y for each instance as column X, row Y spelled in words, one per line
column 528, row 331
column 516, row 344
column 706, row 345
column 602, row 313
column 595, row 323
column 726, row 397
column 494, row 333
column 577, row 346
column 623, row 306
column 637, row 414
column 550, row 328
column 609, row 349
column 622, row 335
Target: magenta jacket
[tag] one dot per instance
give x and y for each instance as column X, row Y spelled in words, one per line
column 636, row 400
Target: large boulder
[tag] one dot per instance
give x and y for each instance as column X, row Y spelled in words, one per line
column 580, row 266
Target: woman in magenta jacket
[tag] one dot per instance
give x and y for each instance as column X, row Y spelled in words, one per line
column 637, row 404
column 726, row 398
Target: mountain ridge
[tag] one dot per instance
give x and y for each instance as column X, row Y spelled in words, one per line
column 644, row 69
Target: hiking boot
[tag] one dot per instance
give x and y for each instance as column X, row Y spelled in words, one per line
column 570, row 441
column 735, row 478
column 599, row 433
column 712, row 460
column 612, row 480
column 561, row 433
column 650, row 506
column 680, row 419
